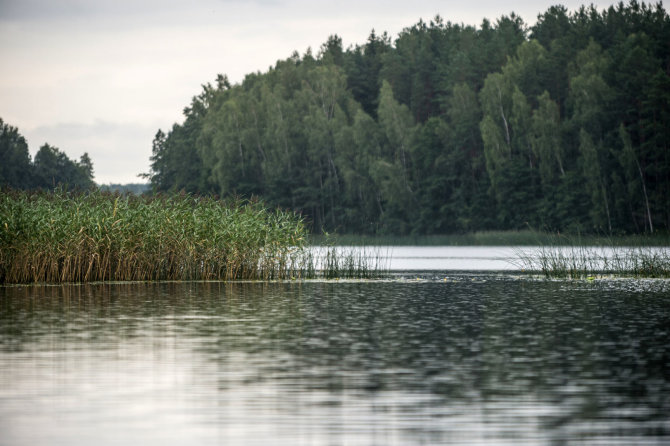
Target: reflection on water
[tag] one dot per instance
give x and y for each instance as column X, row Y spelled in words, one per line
column 460, row 359
column 431, row 258
column 491, row 258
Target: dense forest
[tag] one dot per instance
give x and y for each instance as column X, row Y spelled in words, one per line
column 128, row 188
column 49, row 169
column 563, row 125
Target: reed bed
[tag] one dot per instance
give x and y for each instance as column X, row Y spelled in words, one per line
column 342, row 262
column 581, row 262
column 96, row 236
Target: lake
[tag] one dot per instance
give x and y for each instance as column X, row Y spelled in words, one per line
column 430, row 355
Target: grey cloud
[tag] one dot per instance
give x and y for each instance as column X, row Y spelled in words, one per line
column 87, row 9
column 119, row 151
column 39, row 9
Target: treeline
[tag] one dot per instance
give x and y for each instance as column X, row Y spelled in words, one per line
column 49, row 169
column 564, row 125
column 124, row 189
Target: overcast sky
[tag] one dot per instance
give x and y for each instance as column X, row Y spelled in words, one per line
column 103, row 76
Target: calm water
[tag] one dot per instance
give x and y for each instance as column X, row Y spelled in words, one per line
column 440, row 258
column 480, row 258
column 422, row 358
column 483, row 258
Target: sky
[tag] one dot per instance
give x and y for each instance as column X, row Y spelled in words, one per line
column 103, row 76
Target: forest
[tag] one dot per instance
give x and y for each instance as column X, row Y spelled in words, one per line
column 49, row 169
column 563, row 125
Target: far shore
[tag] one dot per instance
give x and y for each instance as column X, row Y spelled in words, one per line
column 494, row 238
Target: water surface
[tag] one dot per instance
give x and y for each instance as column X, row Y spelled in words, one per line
column 438, row 358
column 494, row 258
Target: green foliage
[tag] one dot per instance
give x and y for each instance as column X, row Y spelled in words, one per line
column 130, row 188
column 49, row 169
column 545, row 138
column 53, row 168
column 97, row 236
column 15, row 168
column 588, row 262
column 448, row 128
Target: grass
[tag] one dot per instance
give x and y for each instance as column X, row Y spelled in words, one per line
column 337, row 262
column 97, row 236
column 56, row 237
column 585, row 262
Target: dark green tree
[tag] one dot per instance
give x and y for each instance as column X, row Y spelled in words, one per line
column 53, row 168
column 560, row 126
column 15, row 167
column 363, row 65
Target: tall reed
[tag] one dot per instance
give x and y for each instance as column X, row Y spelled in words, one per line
column 98, row 236
column 342, row 262
column 579, row 261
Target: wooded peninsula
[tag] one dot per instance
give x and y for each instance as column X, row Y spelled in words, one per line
column 563, row 125
column 449, row 128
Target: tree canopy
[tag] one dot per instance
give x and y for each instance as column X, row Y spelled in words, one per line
column 50, row 168
column 563, row 125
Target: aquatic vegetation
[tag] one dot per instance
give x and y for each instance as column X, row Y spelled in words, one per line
column 341, row 262
column 98, row 236
column 585, row 262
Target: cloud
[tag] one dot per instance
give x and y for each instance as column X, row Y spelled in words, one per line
column 119, row 151
column 121, row 69
column 128, row 13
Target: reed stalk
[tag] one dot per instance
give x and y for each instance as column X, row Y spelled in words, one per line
column 581, row 262
column 342, row 262
column 98, row 236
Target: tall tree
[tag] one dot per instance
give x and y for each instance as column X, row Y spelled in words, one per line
column 363, row 65
column 448, row 128
column 589, row 104
column 54, row 168
column 546, row 139
column 392, row 173
column 15, row 167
